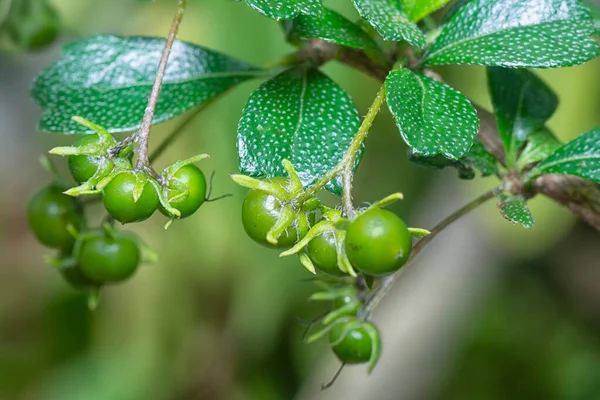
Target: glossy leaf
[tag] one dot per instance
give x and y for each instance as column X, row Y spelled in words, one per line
column 300, row 115
column 331, row 27
column 390, row 21
column 514, row 209
column 522, row 103
column 477, row 158
column 540, row 144
column 516, row 33
column 107, row 80
column 417, row 9
column 579, row 157
column 433, row 118
column 285, row 9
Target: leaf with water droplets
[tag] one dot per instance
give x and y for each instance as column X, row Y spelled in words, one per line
column 329, row 26
column 516, row 33
column 579, row 157
column 300, row 115
column 514, row 209
column 418, row 9
column 540, row 144
column 286, row 9
column 107, row 80
column 390, row 21
column 522, row 103
column 433, row 118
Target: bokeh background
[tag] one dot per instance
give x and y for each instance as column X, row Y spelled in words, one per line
column 489, row 311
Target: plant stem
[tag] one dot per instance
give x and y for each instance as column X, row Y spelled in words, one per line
column 388, row 281
column 143, row 135
column 175, row 133
column 346, row 164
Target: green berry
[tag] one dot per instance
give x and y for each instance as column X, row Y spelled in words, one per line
column 120, row 203
column 350, row 341
column 191, row 180
column 322, row 252
column 108, row 259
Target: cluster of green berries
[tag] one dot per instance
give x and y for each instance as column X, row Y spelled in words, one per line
column 345, row 253
column 89, row 258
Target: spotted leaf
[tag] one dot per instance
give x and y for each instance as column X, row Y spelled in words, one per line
column 417, row 9
column 433, row 118
column 285, row 9
column 516, row 33
column 300, row 115
column 514, row 209
column 107, row 80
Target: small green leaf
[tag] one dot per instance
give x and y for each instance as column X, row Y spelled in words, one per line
column 331, row 27
column 579, row 157
column 540, row 144
column 107, row 80
column 516, row 33
column 300, row 115
column 390, row 21
column 433, row 118
column 418, row 9
column 477, row 158
column 286, row 9
column 522, row 103
column 514, row 209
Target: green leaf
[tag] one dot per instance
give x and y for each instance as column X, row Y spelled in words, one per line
column 433, row 118
column 514, row 209
column 516, row 33
column 595, row 12
column 300, row 115
column 285, row 9
column 329, row 26
column 417, row 9
column 540, row 144
column 579, row 157
column 390, row 21
column 107, row 80
column 522, row 103
column 477, row 158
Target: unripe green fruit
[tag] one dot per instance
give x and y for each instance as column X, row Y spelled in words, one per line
column 322, row 252
column 193, row 180
column 119, row 202
column 351, row 342
column 108, row 259
column 83, row 167
column 75, row 277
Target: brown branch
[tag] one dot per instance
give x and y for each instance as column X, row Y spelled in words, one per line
column 580, row 196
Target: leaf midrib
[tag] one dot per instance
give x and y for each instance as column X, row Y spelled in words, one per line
column 568, row 160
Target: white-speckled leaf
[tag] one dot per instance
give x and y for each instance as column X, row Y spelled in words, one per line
column 540, row 144
column 594, row 8
column 107, row 80
column 516, row 33
column 417, row 9
column 433, row 118
column 514, row 209
column 331, row 27
column 390, row 21
column 579, row 157
column 522, row 103
column 286, row 9
column 300, row 115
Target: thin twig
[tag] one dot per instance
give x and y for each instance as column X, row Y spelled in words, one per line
column 143, row 135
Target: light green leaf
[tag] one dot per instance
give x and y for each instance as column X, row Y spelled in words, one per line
column 514, row 209
column 417, row 9
column 390, row 21
column 516, row 33
column 300, row 115
column 285, row 9
column 522, row 103
column 540, row 144
column 107, row 80
column 433, row 118
column 579, row 157
column 329, row 26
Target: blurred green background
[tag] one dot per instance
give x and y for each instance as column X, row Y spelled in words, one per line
column 490, row 312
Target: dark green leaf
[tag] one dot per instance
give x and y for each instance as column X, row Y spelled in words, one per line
column 579, row 157
column 390, row 21
column 300, row 115
column 433, row 118
column 540, row 144
column 107, row 80
column 331, row 27
column 417, row 9
column 522, row 103
column 477, row 158
column 514, row 209
column 595, row 12
column 516, row 33
column 285, row 9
